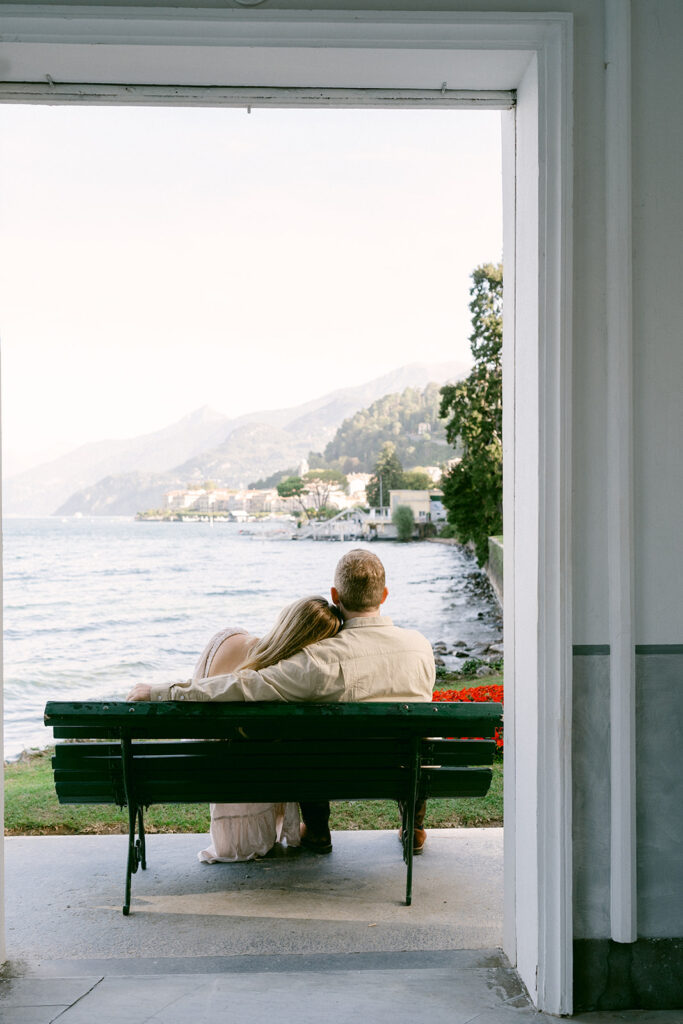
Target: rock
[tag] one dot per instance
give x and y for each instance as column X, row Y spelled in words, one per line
column 462, row 654
column 484, row 670
column 496, row 649
column 440, row 647
column 460, row 643
column 439, row 661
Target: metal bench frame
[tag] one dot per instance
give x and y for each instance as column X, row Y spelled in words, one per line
column 406, row 743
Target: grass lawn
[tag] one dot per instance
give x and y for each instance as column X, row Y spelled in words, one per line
column 31, row 806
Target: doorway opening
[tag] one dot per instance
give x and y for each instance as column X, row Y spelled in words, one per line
column 442, row 53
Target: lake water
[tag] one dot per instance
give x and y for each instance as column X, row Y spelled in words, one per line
column 93, row 606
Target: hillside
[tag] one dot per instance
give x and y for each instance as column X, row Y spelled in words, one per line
column 409, row 419
column 207, row 445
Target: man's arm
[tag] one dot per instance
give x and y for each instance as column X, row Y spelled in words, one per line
column 298, row 678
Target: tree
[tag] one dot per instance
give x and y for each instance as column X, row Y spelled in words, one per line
column 389, row 470
column 319, row 482
column 404, row 521
column 416, row 480
column 293, row 487
column 473, row 410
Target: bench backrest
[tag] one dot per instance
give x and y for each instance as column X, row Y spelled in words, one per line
column 270, row 752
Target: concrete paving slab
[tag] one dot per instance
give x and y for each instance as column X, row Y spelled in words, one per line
column 65, row 892
column 294, row 936
column 382, row 998
column 44, row 991
column 32, row 1014
column 455, row 986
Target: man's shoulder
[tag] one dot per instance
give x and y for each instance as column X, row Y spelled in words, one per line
column 405, row 633
column 349, row 641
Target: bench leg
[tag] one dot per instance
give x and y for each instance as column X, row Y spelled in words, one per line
column 136, row 847
column 133, row 855
column 408, row 824
column 140, row 844
column 408, row 827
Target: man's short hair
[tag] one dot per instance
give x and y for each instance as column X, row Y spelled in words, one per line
column 359, row 579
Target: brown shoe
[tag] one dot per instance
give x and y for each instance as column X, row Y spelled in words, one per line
column 419, row 839
column 315, row 843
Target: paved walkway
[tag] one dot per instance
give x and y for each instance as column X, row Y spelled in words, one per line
column 292, row 937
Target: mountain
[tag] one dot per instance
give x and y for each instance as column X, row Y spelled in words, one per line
column 119, row 477
column 39, row 491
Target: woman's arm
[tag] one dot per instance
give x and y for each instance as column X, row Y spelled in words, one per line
column 231, row 653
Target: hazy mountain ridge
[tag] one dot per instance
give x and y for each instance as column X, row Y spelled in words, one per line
column 121, row 477
column 40, row 490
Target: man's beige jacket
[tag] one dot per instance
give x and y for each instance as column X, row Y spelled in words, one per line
column 370, row 659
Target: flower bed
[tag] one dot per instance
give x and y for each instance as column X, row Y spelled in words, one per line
column 493, row 692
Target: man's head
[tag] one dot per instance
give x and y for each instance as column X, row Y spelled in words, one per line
column 359, row 584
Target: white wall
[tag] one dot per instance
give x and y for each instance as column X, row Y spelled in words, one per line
column 658, row 365
column 658, row 317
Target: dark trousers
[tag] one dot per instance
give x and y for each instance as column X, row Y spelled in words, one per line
column 316, row 815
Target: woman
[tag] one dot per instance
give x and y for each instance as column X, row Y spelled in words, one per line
column 245, row 831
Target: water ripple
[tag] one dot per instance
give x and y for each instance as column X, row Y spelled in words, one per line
column 93, row 606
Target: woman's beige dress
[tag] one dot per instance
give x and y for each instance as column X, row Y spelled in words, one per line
column 244, row 831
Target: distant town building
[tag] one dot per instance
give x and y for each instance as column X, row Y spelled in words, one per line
column 181, row 499
column 419, row 501
column 356, row 485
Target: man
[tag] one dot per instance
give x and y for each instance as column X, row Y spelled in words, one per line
column 370, row 659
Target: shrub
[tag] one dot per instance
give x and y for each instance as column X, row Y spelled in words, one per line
column 470, row 667
column 404, row 521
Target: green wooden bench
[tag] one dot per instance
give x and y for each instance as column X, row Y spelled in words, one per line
column 166, row 753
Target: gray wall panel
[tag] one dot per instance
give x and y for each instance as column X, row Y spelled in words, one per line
column 591, row 814
column 659, row 739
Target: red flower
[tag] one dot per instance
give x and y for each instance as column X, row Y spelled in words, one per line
column 493, row 692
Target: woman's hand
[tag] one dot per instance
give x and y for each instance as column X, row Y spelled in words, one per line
column 140, row 692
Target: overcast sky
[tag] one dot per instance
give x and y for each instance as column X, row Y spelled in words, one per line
column 157, row 260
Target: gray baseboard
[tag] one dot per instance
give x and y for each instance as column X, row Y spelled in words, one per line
column 642, row 975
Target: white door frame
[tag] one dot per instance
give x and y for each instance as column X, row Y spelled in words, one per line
column 226, row 57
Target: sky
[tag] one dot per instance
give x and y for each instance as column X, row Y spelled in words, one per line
column 156, row 260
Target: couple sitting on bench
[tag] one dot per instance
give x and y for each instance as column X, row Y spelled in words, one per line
column 319, row 652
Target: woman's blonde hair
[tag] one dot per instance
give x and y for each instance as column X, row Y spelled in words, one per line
column 299, row 624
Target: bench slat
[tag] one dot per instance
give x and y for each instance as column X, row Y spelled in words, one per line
column 448, row 782
column 176, row 719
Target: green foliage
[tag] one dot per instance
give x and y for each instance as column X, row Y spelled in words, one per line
column 273, row 480
column 319, row 483
column 404, row 521
column 470, row 667
column 294, row 487
column 473, row 410
column 389, row 470
column 409, row 420
column 388, row 467
column 448, row 531
column 416, row 480
column 291, row 487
